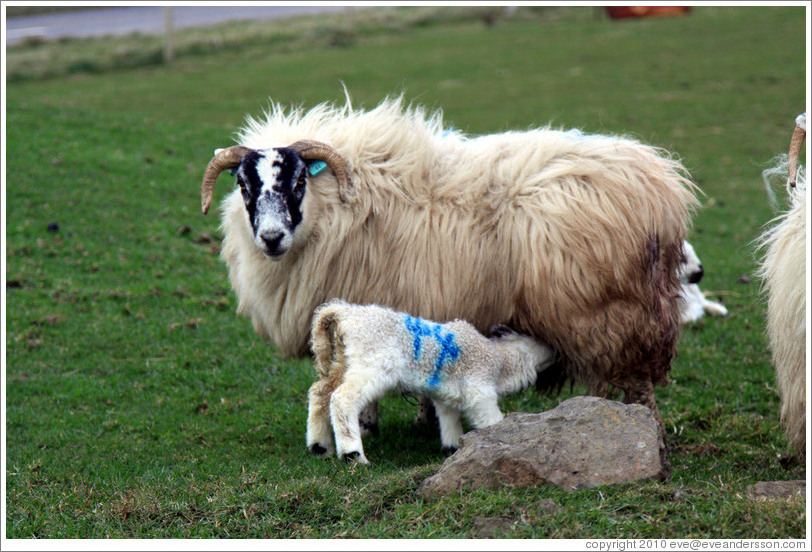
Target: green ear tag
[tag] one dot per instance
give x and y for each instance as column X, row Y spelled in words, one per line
column 316, row 167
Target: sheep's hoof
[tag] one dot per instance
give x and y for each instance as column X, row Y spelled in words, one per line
column 449, row 450
column 317, row 449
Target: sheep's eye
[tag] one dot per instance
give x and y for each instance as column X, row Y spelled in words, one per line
column 301, row 181
column 246, row 194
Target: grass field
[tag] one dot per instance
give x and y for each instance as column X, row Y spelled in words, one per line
column 139, row 406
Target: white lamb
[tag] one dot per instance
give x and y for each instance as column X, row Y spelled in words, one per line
column 363, row 352
column 692, row 302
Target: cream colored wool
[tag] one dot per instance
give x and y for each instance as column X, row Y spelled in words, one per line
column 574, row 239
column 783, row 269
column 363, row 352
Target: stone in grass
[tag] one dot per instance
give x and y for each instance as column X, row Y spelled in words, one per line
column 584, row 442
column 492, row 527
column 765, row 490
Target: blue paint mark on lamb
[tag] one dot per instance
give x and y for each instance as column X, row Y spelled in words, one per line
column 449, row 350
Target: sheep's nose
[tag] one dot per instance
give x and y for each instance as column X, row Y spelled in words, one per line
column 696, row 276
column 272, row 240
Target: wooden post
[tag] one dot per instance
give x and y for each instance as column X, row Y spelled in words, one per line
column 168, row 53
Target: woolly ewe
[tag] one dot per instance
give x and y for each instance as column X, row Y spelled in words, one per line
column 571, row 238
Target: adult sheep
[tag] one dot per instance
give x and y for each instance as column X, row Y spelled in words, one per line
column 573, row 239
column 783, row 269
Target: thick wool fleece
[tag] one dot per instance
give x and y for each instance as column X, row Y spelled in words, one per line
column 574, row 239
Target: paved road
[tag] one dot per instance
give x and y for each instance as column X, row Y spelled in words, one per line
column 146, row 19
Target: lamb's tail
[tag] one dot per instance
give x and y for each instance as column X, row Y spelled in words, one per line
column 326, row 340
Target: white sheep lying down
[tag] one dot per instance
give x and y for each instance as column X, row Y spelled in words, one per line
column 692, row 301
column 363, row 352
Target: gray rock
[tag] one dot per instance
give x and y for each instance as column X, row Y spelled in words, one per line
column 492, row 527
column 764, row 490
column 584, row 442
column 488, row 528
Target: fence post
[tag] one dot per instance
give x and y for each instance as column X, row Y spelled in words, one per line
column 168, row 53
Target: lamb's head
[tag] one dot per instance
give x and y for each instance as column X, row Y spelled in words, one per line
column 529, row 349
column 273, row 183
column 690, row 269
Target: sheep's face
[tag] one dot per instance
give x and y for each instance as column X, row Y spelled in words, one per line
column 273, row 184
column 690, row 269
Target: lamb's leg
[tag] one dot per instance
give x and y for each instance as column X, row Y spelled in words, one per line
column 319, row 433
column 346, row 403
column 483, row 409
column 450, row 426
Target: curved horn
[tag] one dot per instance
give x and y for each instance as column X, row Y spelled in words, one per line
column 794, row 151
column 228, row 158
column 311, row 149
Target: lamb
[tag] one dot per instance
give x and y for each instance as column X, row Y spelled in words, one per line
column 363, row 352
column 693, row 303
column 573, row 239
column 783, row 272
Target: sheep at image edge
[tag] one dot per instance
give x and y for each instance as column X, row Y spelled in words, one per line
column 363, row 352
column 783, row 272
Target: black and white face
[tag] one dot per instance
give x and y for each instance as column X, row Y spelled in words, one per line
column 273, row 184
column 690, row 270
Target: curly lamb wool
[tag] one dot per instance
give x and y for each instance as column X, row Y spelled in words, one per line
column 363, row 352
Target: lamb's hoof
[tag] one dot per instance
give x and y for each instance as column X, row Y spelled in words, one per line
column 317, row 449
column 449, row 450
column 368, row 429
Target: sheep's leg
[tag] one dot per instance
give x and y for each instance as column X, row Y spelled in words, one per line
column 346, row 403
column 450, row 426
column 643, row 393
column 368, row 419
column 319, row 433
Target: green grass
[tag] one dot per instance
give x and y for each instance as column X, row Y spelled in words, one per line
column 139, row 405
